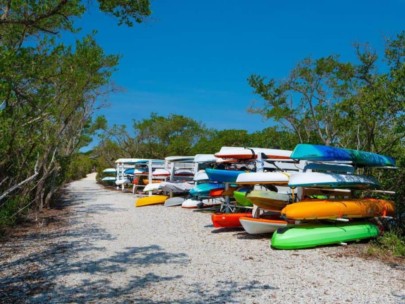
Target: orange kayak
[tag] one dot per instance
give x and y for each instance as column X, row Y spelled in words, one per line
column 332, row 209
column 228, row 220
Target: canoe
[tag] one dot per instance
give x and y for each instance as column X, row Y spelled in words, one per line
column 203, row 189
column 269, row 200
column 223, row 176
column 241, row 198
column 333, row 209
column 252, row 153
column 308, row 236
column 328, row 153
column 151, row 200
column 228, row 220
column 263, row 178
column 262, row 225
column 332, row 180
column 193, row 203
column 174, row 201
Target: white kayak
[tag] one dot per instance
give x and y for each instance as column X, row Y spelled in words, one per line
column 262, row 178
column 252, row 153
column 174, row 201
column 151, row 187
column 261, row 225
column 194, row 203
column 332, row 180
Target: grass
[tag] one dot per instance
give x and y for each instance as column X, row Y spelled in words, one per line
column 390, row 243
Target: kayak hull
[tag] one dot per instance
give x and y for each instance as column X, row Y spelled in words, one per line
column 223, row 176
column 309, row 236
column 228, row 220
column 263, row 178
column 261, row 225
column 241, row 198
column 205, row 203
column 328, row 153
column 269, row 200
column 151, row 200
column 332, row 209
column 332, row 180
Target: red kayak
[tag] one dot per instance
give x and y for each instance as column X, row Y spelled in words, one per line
column 228, row 220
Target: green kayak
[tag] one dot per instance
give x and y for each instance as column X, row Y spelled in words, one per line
column 313, row 235
column 240, row 197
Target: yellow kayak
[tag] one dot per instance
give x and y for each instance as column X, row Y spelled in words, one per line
column 151, row 200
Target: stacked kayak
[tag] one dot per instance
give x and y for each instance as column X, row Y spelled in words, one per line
column 263, row 224
column 338, row 209
column 336, row 220
column 313, row 235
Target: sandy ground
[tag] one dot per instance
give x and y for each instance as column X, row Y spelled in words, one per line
column 109, row 251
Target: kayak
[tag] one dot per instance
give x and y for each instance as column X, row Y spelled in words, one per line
column 262, row 225
column 332, row 180
column 263, row 178
column 241, row 198
column 228, row 220
column 151, row 200
column 205, row 203
column 338, row 208
column 204, row 189
column 252, row 153
column 328, row 153
column 223, row 176
column 308, row 236
column 269, row 200
column 174, row 201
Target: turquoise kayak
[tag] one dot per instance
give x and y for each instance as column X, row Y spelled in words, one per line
column 203, row 189
column 328, row 153
column 314, row 235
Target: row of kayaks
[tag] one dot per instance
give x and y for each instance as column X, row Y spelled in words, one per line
column 286, row 235
column 304, row 200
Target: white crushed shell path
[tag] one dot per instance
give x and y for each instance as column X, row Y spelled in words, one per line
column 117, row 253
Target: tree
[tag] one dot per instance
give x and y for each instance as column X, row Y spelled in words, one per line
column 305, row 103
column 160, row 136
column 48, row 94
column 330, row 102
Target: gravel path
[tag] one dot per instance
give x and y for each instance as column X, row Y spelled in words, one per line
column 112, row 252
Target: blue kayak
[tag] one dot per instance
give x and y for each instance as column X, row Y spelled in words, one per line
column 223, row 176
column 328, row 153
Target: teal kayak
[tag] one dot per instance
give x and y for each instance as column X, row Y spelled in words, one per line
column 314, row 235
column 328, row 153
column 204, row 189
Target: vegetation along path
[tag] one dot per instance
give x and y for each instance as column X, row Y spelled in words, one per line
column 104, row 250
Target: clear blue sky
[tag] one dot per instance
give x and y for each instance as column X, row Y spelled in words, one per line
column 193, row 57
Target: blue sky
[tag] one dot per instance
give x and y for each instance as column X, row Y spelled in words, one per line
column 193, row 57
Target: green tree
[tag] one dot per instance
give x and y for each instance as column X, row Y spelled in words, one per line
column 305, row 103
column 48, row 94
column 158, row 136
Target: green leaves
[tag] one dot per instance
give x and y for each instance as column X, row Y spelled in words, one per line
column 49, row 91
column 127, row 11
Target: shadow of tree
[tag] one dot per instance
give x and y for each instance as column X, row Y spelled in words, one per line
column 38, row 262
